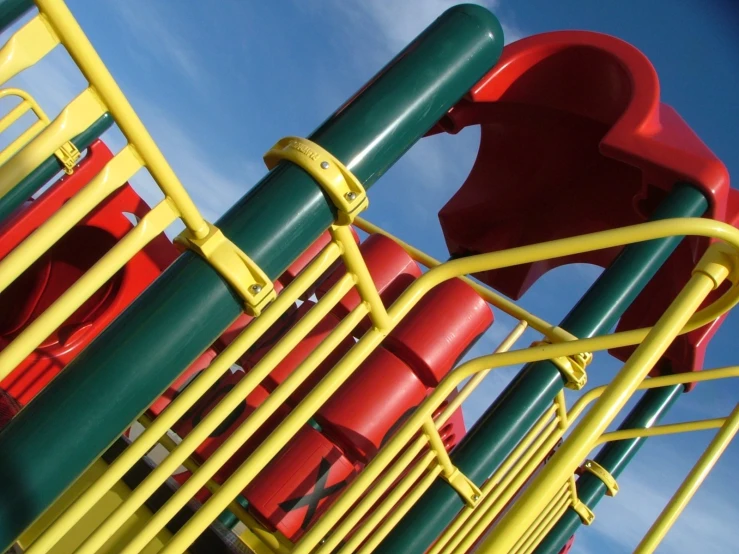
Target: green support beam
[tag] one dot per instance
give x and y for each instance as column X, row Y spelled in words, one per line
column 12, row 10
column 97, row 396
column 50, row 167
column 614, row 457
column 533, row 390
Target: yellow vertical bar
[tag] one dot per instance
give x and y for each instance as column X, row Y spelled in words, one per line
column 94, row 70
column 689, row 487
column 538, row 522
column 545, row 526
column 10, row 150
column 595, row 422
column 26, row 47
column 13, row 115
column 153, row 223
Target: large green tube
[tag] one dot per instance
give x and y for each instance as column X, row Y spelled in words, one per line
column 48, row 168
column 614, row 457
column 532, row 392
column 81, row 412
column 12, row 10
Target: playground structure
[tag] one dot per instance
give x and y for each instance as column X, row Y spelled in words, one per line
column 301, row 367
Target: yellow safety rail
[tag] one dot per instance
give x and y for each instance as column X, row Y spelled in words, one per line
column 54, row 25
column 410, row 462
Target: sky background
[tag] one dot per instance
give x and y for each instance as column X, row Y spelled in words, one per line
column 217, row 83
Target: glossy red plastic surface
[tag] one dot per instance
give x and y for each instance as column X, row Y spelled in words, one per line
column 440, row 329
column 296, row 356
column 40, row 285
column 297, row 486
column 391, row 269
column 371, row 405
column 575, row 139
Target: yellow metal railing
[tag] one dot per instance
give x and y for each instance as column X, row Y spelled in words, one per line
column 410, row 462
column 53, row 26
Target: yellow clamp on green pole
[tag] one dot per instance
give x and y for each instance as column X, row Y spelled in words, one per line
column 572, row 367
column 344, row 189
column 591, row 466
column 68, row 155
column 586, row 514
column 239, row 271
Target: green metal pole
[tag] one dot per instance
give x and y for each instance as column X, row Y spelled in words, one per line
column 614, row 457
column 114, row 379
column 50, row 167
column 12, row 10
column 533, row 390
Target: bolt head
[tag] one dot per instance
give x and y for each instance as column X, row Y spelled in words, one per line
column 325, row 165
column 476, row 497
column 256, row 289
column 351, row 195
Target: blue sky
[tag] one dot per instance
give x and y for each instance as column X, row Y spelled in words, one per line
column 218, row 83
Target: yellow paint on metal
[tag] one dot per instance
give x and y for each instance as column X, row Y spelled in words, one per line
column 231, row 263
column 342, row 187
column 74, row 40
column 27, row 104
column 591, row 466
column 26, row 47
column 572, row 367
column 710, row 271
column 689, row 487
column 77, row 116
column 68, row 155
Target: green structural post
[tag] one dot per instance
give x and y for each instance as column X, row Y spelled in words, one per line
column 96, row 397
column 533, row 390
column 48, row 168
column 12, row 10
column 614, row 457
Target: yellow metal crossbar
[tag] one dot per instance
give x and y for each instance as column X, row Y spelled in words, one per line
column 27, row 104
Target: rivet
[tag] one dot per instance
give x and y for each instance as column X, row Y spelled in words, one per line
column 256, row 289
column 325, row 165
column 351, row 195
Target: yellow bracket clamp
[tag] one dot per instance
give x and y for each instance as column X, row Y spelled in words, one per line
column 234, row 266
column 466, row 489
column 601, row 473
column 586, row 514
column 572, row 367
column 68, row 155
column 344, row 189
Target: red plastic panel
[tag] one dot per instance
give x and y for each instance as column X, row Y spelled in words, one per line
column 247, row 406
column 8, row 408
column 300, row 484
column 573, row 134
column 296, row 356
column 688, row 351
column 440, row 329
column 40, row 285
column 454, row 429
column 370, row 406
column 566, row 548
column 307, row 257
column 390, row 267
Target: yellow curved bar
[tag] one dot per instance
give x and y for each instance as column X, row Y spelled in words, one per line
column 185, row 401
column 586, row 433
column 94, row 70
column 77, row 116
column 660, row 430
column 26, row 47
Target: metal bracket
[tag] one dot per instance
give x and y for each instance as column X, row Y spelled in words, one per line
column 602, row 473
column 586, row 514
column 469, row 492
column 572, row 367
column 68, row 155
column 344, row 189
column 234, row 266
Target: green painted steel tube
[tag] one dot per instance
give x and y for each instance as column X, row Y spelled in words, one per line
column 50, row 167
column 96, row 397
column 533, row 390
column 614, row 457
column 12, row 10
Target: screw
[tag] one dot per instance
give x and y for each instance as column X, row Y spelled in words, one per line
column 325, row 165
column 587, row 464
column 476, row 497
column 256, row 289
column 351, row 195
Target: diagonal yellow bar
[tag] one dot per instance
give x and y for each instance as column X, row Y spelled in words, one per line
column 77, row 116
column 26, row 47
column 151, row 225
